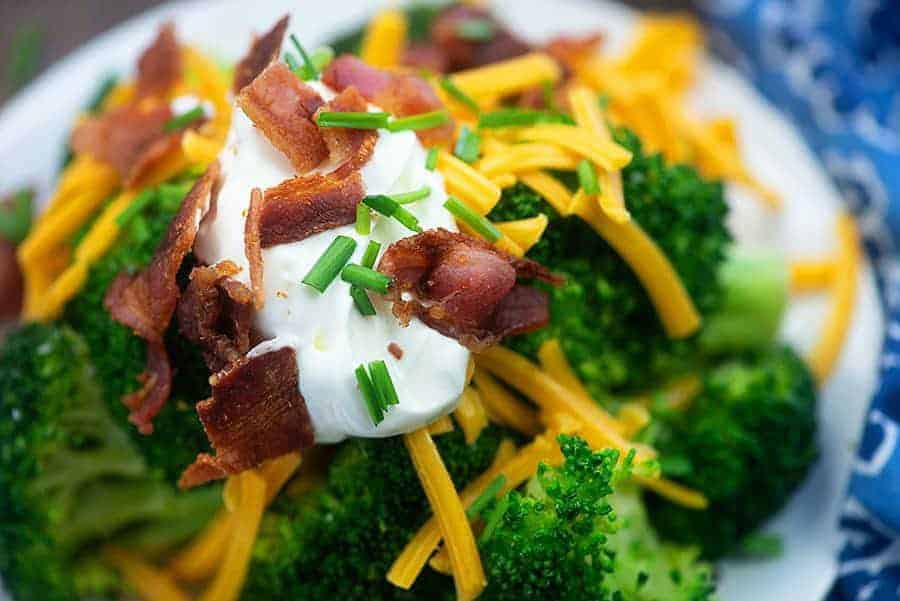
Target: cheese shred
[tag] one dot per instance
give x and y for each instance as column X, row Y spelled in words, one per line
column 503, row 407
column 508, row 77
column 150, row 583
column 385, row 38
column 524, row 232
column 470, row 186
column 812, row 276
column 470, row 414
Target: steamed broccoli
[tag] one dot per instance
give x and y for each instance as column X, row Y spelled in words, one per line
column 338, row 542
column 69, row 474
column 601, row 315
column 569, row 537
column 119, row 355
column 746, row 442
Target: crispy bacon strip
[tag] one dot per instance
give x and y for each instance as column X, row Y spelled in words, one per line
column 263, row 52
column 306, row 205
column 461, row 53
column 253, row 246
column 146, row 301
column 282, row 107
column 401, row 94
column 160, row 66
column 11, row 277
column 348, row 149
column 256, row 413
column 464, row 287
column 215, row 313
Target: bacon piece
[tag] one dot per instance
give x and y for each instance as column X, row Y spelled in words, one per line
column 464, row 288
column 256, row 413
column 160, row 66
column 461, row 53
column 263, row 52
column 10, row 282
column 396, row 350
column 398, row 93
column 145, row 302
column 348, row 148
column 253, row 246
column 282, row 107
column 300, row 207
column 215, row 314
column 425, row 56
column 571, row 51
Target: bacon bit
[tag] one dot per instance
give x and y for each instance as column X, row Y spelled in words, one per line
column 263, row 52
column 348, row 148
column 256, row 413
column 425, row 56
column 214, row 314
column 300, row 207
column 282, row 107
column 464, row 287
column 401, row 94
column 11, row 278
column 394, row 349
column 160, row 66
column 461, row 53
column 571, row 51
column 145, row 302
column 253, row 247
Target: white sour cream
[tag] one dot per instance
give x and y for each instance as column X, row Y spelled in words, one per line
column 326, row 331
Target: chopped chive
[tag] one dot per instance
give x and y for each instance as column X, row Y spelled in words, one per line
column 184, row 119
column 432, row 159
column 137, row 205
column 475, row 221
column 407, row 219
column 15, row 217
column 370, row 397
column 549, row 94
column 320, row 57
column 363, row 220
column 330, row 263
column 587, row 177
column 309, row 70
column 389, row 207
column 102, row 94
column 493, row 520
column 457, row 94
column 520, row 118
column 295, row 67
column 362, row 301
column 352, row 120
column 368, row 259
column 486, row 497
column 475, row 30
column 468, row 145
column 421, row 121
column 384, row 386
column 415, row 195
column 603, row 101
column 366, row 277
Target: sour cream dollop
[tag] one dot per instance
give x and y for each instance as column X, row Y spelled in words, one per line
column 329, row 336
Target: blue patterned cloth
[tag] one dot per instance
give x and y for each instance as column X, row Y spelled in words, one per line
column 834, row 67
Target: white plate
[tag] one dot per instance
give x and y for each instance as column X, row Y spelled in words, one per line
column 34, row 124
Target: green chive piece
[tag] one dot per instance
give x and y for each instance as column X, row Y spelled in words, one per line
column 475, row 30
column 549, row 94
column 414, row 196
column 407, row 220
column 137, row 205
column 330, row 263
column 321, row 57
column 370, row 397
column 184, row 119
column 486, row 497
column 587, row 177
column 421, row 121
column 309, row 70
column 352, row 120
column 363, row 220
column 362, row 301
column 603, row 101
column 295, row 67
column 468, row 145
column 15, row 217
column 102, row 94
column 432, row 159
column 384, row 386
column 458, row 95
column 389, row 207
column 366, row 277
column 520, row 118
column 368, row 259
column 481, row 225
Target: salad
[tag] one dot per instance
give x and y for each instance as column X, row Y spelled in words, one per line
column 431, row 312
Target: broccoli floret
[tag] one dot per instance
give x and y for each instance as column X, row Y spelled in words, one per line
column 338, row 542
column 601, row 315
column 119, row 355
column 69, row 474
column 569, row 537
column 746, row 442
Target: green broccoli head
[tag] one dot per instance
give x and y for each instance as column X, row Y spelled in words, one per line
column 339, row 541
column 746, row 442
column 119, row 355
column 601, row 315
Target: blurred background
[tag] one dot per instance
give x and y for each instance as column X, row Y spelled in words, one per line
column 37, row 33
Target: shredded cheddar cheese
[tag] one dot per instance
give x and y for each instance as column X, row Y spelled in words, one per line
column 827, row 350
column 606, row 154
column 634, row 417
column 470, row 186
column 812, row 276
column 524, row 158
column 468, row 573
column 470, row 414
column 674, row 492
column 149, row 582
column 524, row 232
column 384, row 39
column 503, row 407
column 441, row 425
column 505, row 180
column 508, row 77
column 199, row 561
column 551, row 189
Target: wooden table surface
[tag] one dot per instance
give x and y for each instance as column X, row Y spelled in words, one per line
column 63, row 25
